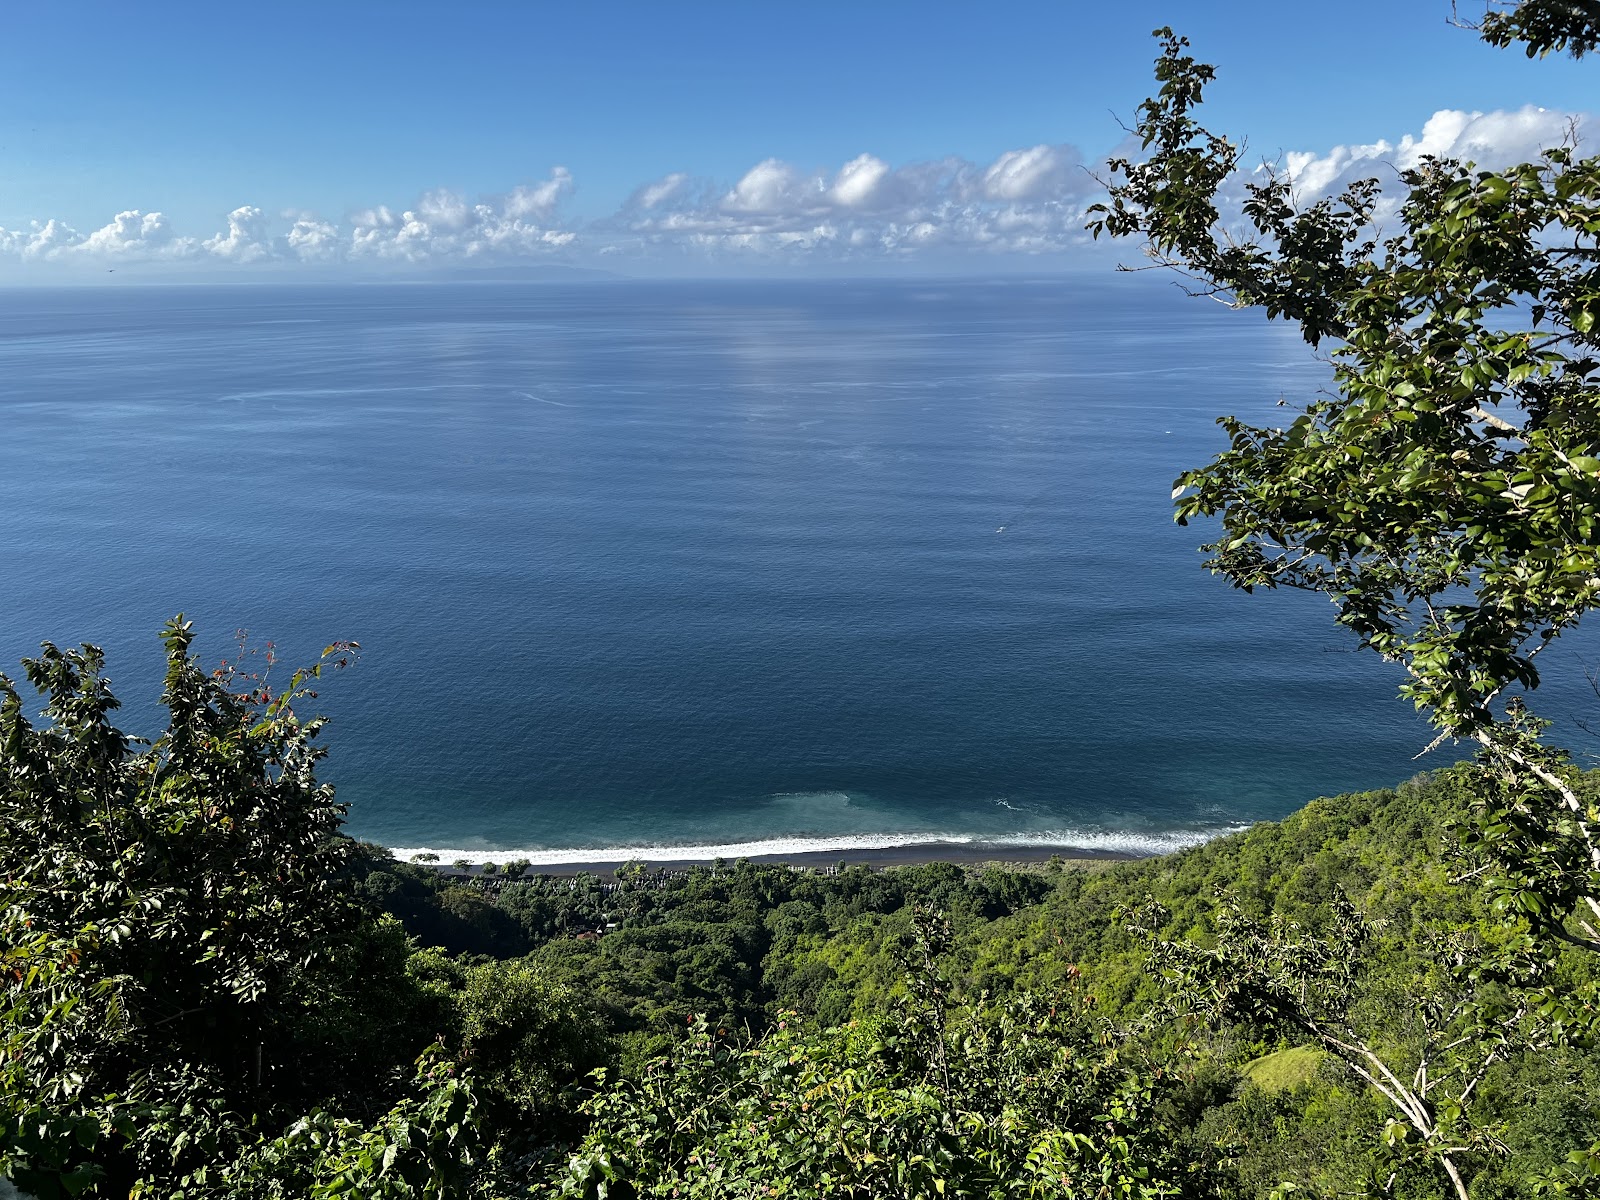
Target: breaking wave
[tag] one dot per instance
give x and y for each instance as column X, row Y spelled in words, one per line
column 1106, row 841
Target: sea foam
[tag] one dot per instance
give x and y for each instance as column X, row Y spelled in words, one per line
column 1062, row 841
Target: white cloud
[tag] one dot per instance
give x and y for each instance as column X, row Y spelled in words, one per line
column 538, row 202
column 50, row 240
column 133, row 234
column 311, row 240
column 246, row 239
column 859, row 182
column 444, row 210
column 1493, row 141
column 772, row 187
column 659, row 192
column 1028, row 201
column 444, row 227
column 379, row 217
column 129, row 235
column 1036, row 173
column 441, row 227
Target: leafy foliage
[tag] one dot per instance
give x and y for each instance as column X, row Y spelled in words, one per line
column 1024, row 1099
column 530, row 1041
column 1446, row 497
column 1544, row 26
column 163, row 898
column 175, row 922
column 425, row 1148
column 838, row 953
column 208, row 991
column 840, row 1036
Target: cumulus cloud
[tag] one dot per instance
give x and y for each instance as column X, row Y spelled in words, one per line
column 1026, row 201
column 312, row 240
column 1040, row 172
column 1493, row 141
column 859, row 182
column 538, row 203
column 246, row 239
column 442, row 226
column 444, row 210
column 134, row 234
column 660, row 192
column 128, row 235
column 50, row 240
column 771, row 187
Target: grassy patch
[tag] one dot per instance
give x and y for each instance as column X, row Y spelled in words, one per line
column 1287, row 1068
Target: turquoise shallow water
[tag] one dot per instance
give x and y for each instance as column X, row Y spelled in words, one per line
column 744, row 566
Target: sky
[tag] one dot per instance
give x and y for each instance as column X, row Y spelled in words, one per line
column 696, row 137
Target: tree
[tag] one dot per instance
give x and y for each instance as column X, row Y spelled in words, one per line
column 1543, row 26
column 1447, row 498
column 1034, row 1098
column 1446, row 494
column 1425, row 1050
column 165, row 909
column 530, row 1042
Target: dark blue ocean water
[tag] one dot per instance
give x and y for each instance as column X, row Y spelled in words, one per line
column 692, row 564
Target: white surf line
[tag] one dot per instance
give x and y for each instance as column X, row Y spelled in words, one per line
column 1121, row 842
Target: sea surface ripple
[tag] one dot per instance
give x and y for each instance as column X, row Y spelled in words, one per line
column 699, row 565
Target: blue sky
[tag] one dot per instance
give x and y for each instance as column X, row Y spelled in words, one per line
column 330, row 114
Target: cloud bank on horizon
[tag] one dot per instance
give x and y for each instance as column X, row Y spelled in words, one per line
column 1027, row 205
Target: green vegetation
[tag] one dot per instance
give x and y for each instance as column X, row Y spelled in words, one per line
column 1446, row 498
column 212, row 993
column 208, row 991
column 1284, row 1069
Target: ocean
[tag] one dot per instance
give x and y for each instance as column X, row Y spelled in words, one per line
column 694, row 568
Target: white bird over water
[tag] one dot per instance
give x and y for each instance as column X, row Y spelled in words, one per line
column 1002, row 529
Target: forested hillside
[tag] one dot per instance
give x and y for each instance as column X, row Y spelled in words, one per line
column 209, row 991
column 212, row 992
column 742, row 949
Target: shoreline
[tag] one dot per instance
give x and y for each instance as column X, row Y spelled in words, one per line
column 913, row 854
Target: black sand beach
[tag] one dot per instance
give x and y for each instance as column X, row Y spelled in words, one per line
column 888, row 856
